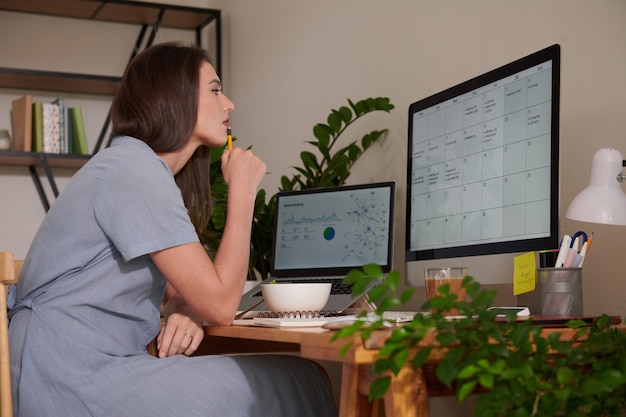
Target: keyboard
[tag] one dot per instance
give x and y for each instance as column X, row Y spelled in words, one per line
column 399, row 316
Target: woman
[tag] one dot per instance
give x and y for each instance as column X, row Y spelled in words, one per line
column 121, row 238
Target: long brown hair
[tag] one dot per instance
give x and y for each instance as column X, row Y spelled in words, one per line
column 157, row 102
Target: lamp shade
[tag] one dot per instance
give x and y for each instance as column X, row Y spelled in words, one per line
column 603, row 201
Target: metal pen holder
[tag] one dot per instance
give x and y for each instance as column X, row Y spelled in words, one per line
column 560, row 291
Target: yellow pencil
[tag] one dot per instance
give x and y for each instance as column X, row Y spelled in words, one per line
column 230, row 140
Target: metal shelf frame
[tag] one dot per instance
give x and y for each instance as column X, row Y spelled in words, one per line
column 149, row 16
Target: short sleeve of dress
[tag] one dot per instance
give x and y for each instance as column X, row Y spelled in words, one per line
column 140, row 207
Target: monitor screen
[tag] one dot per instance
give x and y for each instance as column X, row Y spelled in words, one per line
column 483, row 163
column 330, row 231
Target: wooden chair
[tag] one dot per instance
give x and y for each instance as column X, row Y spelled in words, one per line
column 9, row 272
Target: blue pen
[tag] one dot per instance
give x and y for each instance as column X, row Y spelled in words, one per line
column 575, row 236
column 573, row 258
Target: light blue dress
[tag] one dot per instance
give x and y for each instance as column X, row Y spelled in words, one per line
column 88, row 304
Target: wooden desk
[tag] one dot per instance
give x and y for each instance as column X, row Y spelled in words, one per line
column 407, row 396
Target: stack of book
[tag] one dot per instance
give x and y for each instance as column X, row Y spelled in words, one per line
column 47, row 127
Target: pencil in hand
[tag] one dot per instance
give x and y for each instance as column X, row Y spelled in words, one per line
column 230, row 139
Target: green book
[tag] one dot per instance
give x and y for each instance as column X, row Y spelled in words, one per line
column 68, row 130
column 79, row 137
column 37, row 145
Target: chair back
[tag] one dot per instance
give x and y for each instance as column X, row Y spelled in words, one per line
column 9, row 272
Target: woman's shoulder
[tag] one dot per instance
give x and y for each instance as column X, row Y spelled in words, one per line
column 131, row 155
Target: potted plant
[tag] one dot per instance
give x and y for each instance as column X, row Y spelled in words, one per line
column 329, row 166
column 513, row 369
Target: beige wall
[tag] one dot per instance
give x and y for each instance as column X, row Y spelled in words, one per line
column 287, row 63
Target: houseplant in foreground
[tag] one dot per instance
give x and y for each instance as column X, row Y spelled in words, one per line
column 328, row 166
column 509, row 364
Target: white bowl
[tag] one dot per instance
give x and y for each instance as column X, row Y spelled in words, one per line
column 286, row 297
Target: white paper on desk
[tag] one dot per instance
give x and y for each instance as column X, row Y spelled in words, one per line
column 290, row 322
column 243, row 322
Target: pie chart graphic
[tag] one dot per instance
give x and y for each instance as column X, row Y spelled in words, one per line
column 329, row 233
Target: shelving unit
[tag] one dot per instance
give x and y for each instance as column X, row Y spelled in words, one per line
column 145, row 15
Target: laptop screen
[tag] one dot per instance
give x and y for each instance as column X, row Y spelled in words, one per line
column 330, row 231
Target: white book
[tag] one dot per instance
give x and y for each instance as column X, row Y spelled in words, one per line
column 51, row 132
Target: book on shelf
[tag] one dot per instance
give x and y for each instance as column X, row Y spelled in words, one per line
column 52, row 127
column 51, row 134
column 68, row 130
column 37, row 129
column 79, row 137
column 60, row 102
column 21, row 120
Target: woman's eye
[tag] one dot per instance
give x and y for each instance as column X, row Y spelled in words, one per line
column 216, row 91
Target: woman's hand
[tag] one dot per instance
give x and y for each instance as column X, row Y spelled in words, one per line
column 242, row 168
column 182, row 332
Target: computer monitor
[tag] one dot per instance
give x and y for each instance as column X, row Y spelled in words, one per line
column 483, row 164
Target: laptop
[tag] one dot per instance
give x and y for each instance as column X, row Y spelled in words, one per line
column 321, row 234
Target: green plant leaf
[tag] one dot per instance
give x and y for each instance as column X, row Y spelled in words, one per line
column 374, row 271
column 594, row 386
column 322, row 132
column 406, row 295
column 393, row 280
column 446, row 371
column 389, row 303
column 563, row 394
column 524, row 372
column 468, row 371
column 344, row 349
column 421, row 356
column 218, row 216
column 346, row 114
column 359, row 286
column 379, row 387
column 613, row 378
column 399, row 360
column 334, row 121
column 377, row 293
column 310, row 160
column 564, row 375
column 446, row 339
column 486, row 380
column 370, row 138
column 464, row 390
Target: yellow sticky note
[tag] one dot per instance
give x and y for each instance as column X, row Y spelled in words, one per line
column 524, row 273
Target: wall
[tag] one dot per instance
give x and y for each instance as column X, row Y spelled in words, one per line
column 286, row 64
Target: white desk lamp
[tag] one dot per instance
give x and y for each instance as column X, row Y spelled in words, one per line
column 603, row 201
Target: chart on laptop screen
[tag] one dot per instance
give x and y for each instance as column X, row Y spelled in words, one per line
column 336, row 228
